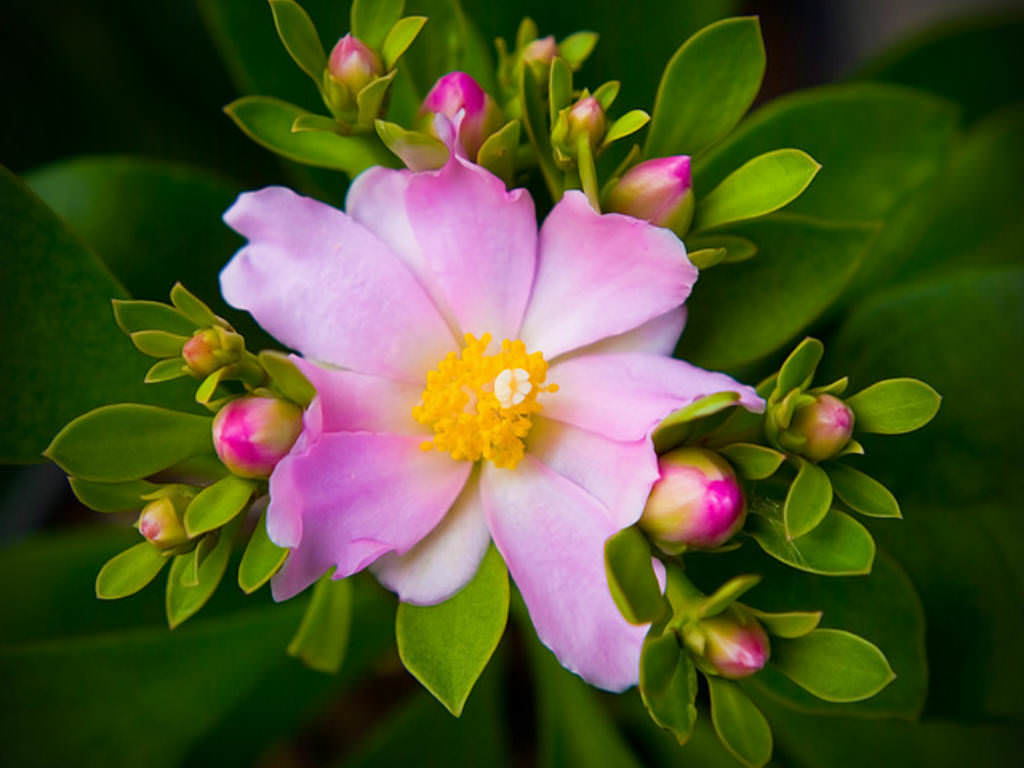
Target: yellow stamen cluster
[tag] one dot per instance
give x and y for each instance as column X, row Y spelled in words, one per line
column 468, row 420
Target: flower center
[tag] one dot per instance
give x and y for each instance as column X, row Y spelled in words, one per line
column 480, row 406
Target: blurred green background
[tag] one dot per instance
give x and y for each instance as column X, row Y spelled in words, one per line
column 911, row 266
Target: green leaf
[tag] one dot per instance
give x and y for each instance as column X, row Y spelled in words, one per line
column 668, row 684
column 371, row 98
column 158, row 343
column 268, row 122
column 559, row 87
column 127, row 573
column 894, row 406
column 181, row 601
column 833, row 665
column 498, row 153
column 754, row 462
column 322, row 638
column 286, row 377
column 202, row 550
column 862, row 493
column 577, row 47
column 261, row 560
column 606, row 95
column 166, row 370
column 135, row 316
column 798, row 369
column 399, row 38
column 628, row 124
column 217, row 504
column 789, row 624
column 193, row 307
column 631, row 579
column 419, row 151
column 673, row 428
column 373, row 19
column 707, row 257
column 739, row 724
column 310, row 123
column 447, row 646
column 111, row 497
column 808, row 500
column 727, row 594
column 757, row 188
column 128, row 442
column 737, row 248
column 838, row 546
column 706, row 88
column 300, row 37
column 532, row 98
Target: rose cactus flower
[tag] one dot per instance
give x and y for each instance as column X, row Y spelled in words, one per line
column 475, row 381
column 468, row 115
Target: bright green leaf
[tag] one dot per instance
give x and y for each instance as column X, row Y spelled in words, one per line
column 739, row 723
column 286, row 377
column 628, row 124
column 798, row 369
column 833, row 665
column 182, row 602
column 193, row 307
column 808, row 500
column 736, row 248
column 370, row 99
column 166, row 370
column 606, row 95
column 373, row 19
column 322, row 638
column 308, row 123
column 399, row 38
column 577, row 47
column 261, row 560
column 894, row 406
column 130, row 571
column 631, row 579
column 754, row 462
column 498, row 153
column 838, row 546
column 111, row 497
column 135, row 316
column 158, row 343
column 862, row 493
column 217, row 504
column 707, row 257
column 300, row 37
column 788, row 624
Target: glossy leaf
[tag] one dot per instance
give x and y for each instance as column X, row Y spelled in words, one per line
column 628, row 124
column 322, row 638
column 789, row 624
column 894, row 406
column 261, row 560
column 668, row 684
column 300, row 37
column 798, row 369
column 128, row 442
column 111, row 497
column 217, row 504
column 833, row 665
column 808, row 500
column 838, row 546
column 862, row 493
column 130, row 571
column 673, row 427
column 447, row 646
column 706, row 88
column 399, row 38
column 135, row 316
column 757, row 188
column 754, row 462
column 739, row 723
column 631, row 579
column 372, row 19
column 183, row 602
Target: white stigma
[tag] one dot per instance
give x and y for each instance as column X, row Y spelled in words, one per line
column 511, row 386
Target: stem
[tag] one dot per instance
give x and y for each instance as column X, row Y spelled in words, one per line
column 588, row 172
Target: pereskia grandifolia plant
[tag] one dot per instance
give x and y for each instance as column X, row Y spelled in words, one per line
column 475, row 398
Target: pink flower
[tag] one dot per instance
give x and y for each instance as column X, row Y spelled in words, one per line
column 464, row 115
column 436, row 324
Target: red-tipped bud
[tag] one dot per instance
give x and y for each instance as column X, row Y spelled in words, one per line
column 160, row 523
column 826, row 425
column 586, row 118
column 735, row 644
column 252, row 434
column 540, row 51
column 659, row 190
column 457, row 92
column 696, row 502
column 210, row 349
column 353, row 64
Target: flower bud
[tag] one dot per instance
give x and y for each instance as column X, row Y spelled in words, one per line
column 252, row 434
column 584, row 118
column 696, row 502
column 160, row 523
column 540, row 51
column 210, row 349
column 659, row 190
column 350, row 67
column 735, row 644
column 481, row 116
column 826, row 425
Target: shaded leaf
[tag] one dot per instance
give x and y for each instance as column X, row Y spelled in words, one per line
column 130, row 571
column 808, row 500
column 631, row 579
column 838, row 546
column 261, row 560
column 322, row 638
column 833, row 665
column 862, row 493
column 739, row 723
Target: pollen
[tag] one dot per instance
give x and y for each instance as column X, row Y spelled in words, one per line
column 481, row 406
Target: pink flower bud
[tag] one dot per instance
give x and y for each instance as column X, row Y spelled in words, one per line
column 211, row 348
column 353, row 64
column 826, row 424
column 696, row 503
column 252, row 434
column 457, row 92
column 735, row 646
column 541, row 51
column 659, row 190
column 586, row 118
column 161, row 524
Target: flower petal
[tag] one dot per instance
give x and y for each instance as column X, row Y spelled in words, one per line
column 446, row 560
column 552, row 533
column 325, row 285
column 358, row 495
column 655, row 337
column 599, row 276
column 618, row 474
column 625, row 396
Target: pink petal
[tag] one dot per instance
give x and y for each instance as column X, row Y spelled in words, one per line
column 655, row 337
column 618, row 474
column 446, row 560
column 356, row 496
column 323, row 284
column 552, row 533
column 599, row 276
column 625, row 396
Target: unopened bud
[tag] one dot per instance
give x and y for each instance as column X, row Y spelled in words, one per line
column 252, row 434
column 735, row 644
column 210, row 349
column 584, row 118
column 540, row 51
column 160, row 523
column 350, row 68
column 659, row 190
column 481, row 116
column 696, row 502
column 826, row 426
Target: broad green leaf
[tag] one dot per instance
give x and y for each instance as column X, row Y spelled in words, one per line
column 129, row 571
column 706, row 87
column 166, row 370
column 631, row 579
column 801, row 267
column 894, row 406
column 217, row 504
column 447, row 646
column 134, row 316
column 128, row 442
column 736, row 248
column 628, row 124
column 300, row 37
column 286, row 378
column 739, row 723
column 789, row 624
column 727, row 594
column 498, row 153
column 668, row 684
column 833, row 664
column 261, row 560
column 193, row 307
column 399, row 38
column 672, row 429
column 158, row 343
column 808, row 500
column 758, row 187
column 322, row 638
column 862, row 493
column 606, row 95
column 373, row 19
column 577, row 47
column 182, row 602
column 838, row 546
column 268, row 122
column 798, row 369
column 111, row 497
column 754, row 462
